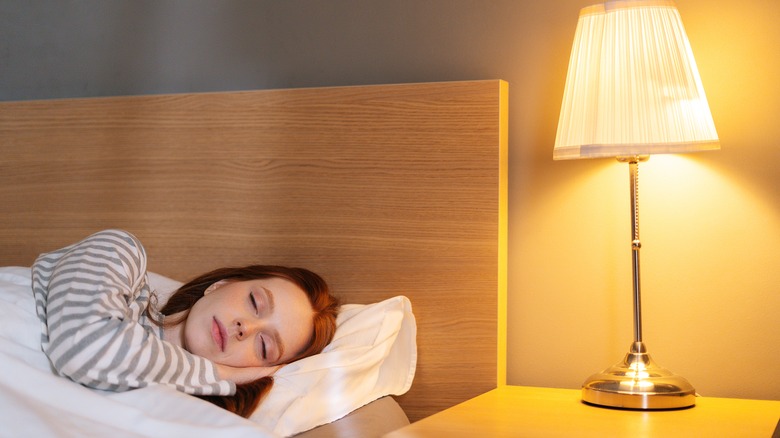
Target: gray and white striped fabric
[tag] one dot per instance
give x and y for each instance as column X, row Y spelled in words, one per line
column 91, row 298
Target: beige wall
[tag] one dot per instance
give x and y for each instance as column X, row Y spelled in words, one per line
column 710, row 222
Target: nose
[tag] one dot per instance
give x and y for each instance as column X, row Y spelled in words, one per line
column 244, row 329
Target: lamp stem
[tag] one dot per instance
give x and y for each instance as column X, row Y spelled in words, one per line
column 636, row 245
column 637, row 382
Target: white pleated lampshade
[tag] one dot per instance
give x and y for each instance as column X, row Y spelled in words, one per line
column 632, row 87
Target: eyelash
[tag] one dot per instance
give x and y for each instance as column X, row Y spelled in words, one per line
column 254, row 302
column 262, row 340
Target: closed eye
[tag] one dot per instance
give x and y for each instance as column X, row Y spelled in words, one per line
column 254, row 302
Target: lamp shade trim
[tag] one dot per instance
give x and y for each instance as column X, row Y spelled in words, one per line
column 617, row 150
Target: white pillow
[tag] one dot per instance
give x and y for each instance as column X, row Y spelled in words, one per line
column 373, row 354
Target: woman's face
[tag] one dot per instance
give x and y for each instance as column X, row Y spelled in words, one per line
column 250, row 323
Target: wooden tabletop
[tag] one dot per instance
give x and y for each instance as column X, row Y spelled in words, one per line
column 512, row 411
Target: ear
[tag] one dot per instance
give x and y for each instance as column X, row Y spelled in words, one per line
column 214, row 287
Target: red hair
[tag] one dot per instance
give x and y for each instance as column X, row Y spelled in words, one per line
column 323, row 303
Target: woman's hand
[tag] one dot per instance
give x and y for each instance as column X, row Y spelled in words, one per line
column 244, row 374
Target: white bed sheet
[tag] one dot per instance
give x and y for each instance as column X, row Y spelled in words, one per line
column 35, row 402
column 373, row 354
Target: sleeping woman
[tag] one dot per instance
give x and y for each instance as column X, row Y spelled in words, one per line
column 220, row 337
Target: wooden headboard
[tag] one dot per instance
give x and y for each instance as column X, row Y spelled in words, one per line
column 384, row 190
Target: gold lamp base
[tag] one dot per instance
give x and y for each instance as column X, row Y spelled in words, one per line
column 638, row 383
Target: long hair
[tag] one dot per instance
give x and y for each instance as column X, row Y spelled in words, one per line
column 324, row 304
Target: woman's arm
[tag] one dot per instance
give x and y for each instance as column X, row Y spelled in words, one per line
column 90, row 298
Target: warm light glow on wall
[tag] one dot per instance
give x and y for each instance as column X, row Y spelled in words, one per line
column 706, row 233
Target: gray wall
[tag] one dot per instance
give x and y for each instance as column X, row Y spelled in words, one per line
column 53, row 49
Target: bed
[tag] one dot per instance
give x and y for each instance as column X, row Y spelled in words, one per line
column 387, row 191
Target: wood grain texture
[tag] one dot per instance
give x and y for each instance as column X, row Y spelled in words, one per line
column 384, row 190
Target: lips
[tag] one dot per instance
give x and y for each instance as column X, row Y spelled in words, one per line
column 218, row 333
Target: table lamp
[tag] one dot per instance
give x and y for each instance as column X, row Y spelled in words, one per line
column 633, row 90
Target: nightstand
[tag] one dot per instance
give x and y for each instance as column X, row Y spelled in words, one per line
column 514, row 411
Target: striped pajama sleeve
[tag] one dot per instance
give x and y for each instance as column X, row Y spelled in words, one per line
column 91, row 299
